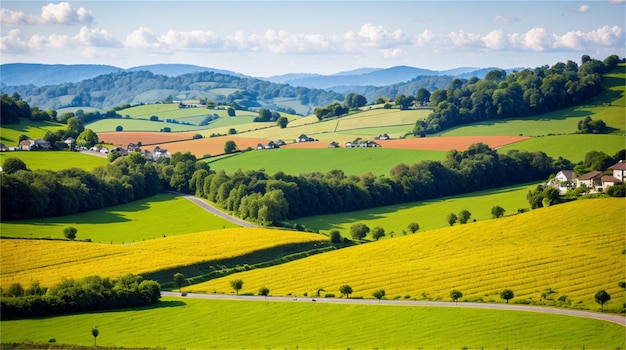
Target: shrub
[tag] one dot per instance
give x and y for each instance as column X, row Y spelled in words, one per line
column 329, row 295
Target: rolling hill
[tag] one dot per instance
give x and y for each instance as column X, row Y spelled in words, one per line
column 557, row 248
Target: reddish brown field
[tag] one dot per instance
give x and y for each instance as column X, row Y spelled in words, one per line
column 146, row 137
column 212, row 145
column 445, row 143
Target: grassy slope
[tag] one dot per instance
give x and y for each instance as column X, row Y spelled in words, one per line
column 574, row 248
column 357, row 161
column 10, row 133
column 25, row 260
column 207, row 324
column 56, row 160
column 140, row 220
column 573, row 147
column 429, row 214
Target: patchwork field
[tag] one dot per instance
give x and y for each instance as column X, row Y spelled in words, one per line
column 219, row 324
column 352, row 161
column 141, row 220
column 558, row 247
column 25, row 260
column 430, row 214
column 57, row 160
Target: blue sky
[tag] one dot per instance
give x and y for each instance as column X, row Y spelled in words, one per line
column 264, row 38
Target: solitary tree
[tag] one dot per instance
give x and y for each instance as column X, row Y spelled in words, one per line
column 378, row 232
column 378, row 294
column 230, row 111
column 602, row 297
column 497, row 212
column 230, row 146
column 70, row 232
column 179, row 278
column 464, row 215
column 237, row 285
column 455, row 295
column 345, row 290
column 451, row 218
column 335, row 236
column 413, row 227
column 264, row 291
column 95, row 332
column 507, row 294
column 282, row 122
column 359, row 231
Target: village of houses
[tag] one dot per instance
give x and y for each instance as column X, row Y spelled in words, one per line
column 594, row 181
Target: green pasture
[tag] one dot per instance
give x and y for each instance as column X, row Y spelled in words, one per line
column 10, row 133
column 429, row 214
column 56, row 160
column 109, row 125
column 352, row 161
column 153, row 96
column 572, row 147
column 178, row 323
column 381, row 117
column 141, row 220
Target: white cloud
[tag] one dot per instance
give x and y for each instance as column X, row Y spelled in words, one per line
column 584, row 9
column 193, row 39
column 617, row 1
column 505, row 19
column 495, row 40
column 95, row 37
column 61, row 13
column 142, row 38
column 393, row 53
column 14, row 43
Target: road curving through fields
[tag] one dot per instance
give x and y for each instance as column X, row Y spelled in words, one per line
column 621, row 320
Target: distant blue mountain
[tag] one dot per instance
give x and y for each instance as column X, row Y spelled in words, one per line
column 13, row 74
column 174, row 70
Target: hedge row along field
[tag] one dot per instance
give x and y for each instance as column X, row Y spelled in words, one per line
column 574, row 249
column 48, row 261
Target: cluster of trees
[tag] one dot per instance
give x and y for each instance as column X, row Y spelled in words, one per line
column 590, row 126
column 259, row 197
column 92, row 293
column 265, row 115
column 13, row 108
column 520, row 94
column 118, row 88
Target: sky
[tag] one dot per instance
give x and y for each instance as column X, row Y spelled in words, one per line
column 267, row 38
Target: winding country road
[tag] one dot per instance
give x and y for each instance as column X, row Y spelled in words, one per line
column 211, row 209
column 557, row 311
column 550, row 310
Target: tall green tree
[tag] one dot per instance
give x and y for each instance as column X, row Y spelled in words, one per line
column 451, row 218
column 464, row 216
column 236, row 285
column 180, row 280
column 455, row 295
column 497, row 212
column 378, row 232
column 507, row 295
column 602, row 297
column 379, row 294
column 359, row 230
column 345, row 290
column 230, row 147
column 95, row 332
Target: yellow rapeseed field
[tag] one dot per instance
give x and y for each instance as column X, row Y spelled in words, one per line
column 47, row 262
column 575, row 249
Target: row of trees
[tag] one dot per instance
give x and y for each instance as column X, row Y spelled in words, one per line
column 92, row 293
column 266, row 199
column 520, row 94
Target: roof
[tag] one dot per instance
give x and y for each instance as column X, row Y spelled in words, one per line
column 590, row 175
column 621, row 165
column 610, row 178
column 569, row 174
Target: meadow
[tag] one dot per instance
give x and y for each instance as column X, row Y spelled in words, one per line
column 141, row 220
column 572, row 147
column 352, row 161
column 528, row 253
column 55, row 160
column 10, row 133
column 219, row 324
column 430, row 214
column 49, row 261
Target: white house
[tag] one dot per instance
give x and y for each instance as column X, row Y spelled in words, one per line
column 563, row 180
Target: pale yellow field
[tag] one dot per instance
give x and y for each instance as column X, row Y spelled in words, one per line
column 575, row 248
column 25, row 261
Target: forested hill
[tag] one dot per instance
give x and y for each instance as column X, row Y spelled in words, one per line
column 123, row 87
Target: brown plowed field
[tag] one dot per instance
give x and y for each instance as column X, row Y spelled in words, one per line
column 211, row 145
column 444, row 143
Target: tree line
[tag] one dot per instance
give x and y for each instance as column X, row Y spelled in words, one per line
column 519, row 94
column 88, row 294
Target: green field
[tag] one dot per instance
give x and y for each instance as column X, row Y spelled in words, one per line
column 10, row 133
column 150, row 218
column 430, row 214
column 56, row 160
column 110, row 125
column 217, row 324
column 571, row 147
column 353, row 161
